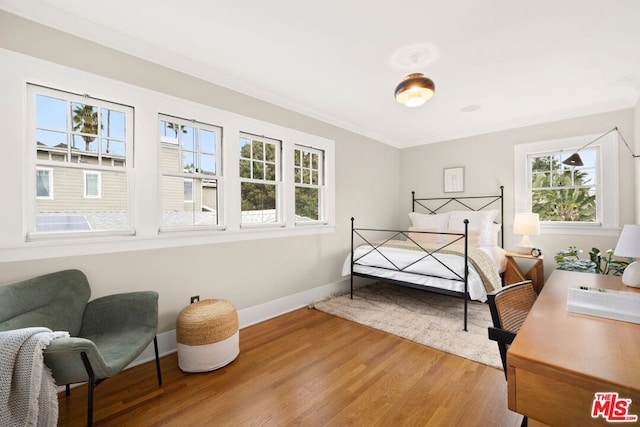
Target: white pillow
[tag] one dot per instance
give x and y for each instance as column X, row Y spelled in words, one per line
column 478, row 220
column 494, row 230
column 431, row 222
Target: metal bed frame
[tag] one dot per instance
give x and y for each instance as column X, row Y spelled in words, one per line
column 440, row 204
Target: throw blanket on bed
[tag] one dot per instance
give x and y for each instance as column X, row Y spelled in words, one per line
column 28, row 395
column 482, row 262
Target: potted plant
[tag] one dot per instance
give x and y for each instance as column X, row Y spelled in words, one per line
column 598, row 262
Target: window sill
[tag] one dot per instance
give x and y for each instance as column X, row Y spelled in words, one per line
column 579, row 229
column 112, row 243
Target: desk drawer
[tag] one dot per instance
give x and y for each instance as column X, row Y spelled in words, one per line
column 558, row 403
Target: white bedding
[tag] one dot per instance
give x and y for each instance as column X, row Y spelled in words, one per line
column 375, row 264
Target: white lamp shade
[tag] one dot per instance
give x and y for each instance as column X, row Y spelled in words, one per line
column 526, row 224
column 629, row 242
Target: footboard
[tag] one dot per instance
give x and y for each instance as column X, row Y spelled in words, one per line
column 401, row 257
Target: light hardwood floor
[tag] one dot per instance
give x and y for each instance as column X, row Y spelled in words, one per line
column 306, row 368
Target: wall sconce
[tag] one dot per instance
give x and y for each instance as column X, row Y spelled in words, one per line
column 575, row 160
column 525, row 225
column 629, row 246
column 415, row 90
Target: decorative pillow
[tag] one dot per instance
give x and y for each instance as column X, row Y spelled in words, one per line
column 426, row 238
column 473, row 238
column 478, row 220
column 434, row 222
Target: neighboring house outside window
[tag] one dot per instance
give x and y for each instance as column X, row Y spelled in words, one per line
column 309, row 182
column 86, row 144
column 569, row 199
column 260, row 181
column 190, row 162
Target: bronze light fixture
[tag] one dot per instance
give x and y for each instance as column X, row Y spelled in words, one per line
column 575, row 160
column 415, row 90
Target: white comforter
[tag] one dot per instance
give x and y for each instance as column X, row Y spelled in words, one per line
column 412, row 266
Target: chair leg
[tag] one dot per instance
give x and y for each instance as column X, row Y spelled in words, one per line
column 524, row 422
column 90, row 387
column 155, row 347
column 67, row 390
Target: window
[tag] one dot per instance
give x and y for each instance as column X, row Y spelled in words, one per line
column 188, row 191
column 259, row 179
column 91, row 184
column 569, row 199
column 190, row 161
column 85, row 143
column 308, row 164
column 565, row 193
column 44, row 183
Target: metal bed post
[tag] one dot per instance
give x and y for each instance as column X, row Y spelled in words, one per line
column 352, row 219
column 502, row 215
column 466, row 271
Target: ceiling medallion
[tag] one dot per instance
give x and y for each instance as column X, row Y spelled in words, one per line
column 414, row 56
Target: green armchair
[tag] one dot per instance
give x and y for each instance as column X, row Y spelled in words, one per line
column 106, row 334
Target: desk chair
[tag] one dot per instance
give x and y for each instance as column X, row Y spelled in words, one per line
column 509, row 307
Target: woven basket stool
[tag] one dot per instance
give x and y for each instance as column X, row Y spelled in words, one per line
column 207, row 335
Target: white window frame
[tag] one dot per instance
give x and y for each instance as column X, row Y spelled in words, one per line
column 321, row 182
column 606, row 190
column 277, row 183
column 35, row 89
column 193, row 174
column 99, row 185
column 50, row 178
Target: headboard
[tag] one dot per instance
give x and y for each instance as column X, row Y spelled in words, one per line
column 433, row 205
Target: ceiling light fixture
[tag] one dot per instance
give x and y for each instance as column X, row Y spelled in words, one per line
column 575, row 160
column 415, row 90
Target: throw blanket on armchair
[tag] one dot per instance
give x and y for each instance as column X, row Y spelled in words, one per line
column 28, row 393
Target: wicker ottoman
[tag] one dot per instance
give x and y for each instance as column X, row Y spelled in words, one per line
column 207, row 335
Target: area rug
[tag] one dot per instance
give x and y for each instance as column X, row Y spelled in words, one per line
column 424, row 317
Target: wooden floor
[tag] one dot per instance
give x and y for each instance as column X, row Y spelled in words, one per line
column 306, row 368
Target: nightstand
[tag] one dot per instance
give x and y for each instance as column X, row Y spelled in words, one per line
column 533, row 266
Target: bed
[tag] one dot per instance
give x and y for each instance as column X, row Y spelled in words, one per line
column 453, row 247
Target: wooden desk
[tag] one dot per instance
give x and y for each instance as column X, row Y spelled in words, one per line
column 559, row 359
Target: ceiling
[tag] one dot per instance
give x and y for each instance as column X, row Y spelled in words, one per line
column 497, row 64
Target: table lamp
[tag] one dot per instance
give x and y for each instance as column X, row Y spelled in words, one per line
column 629, row 246
column 526, row 224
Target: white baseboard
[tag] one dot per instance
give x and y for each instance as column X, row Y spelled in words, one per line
column 251, row 315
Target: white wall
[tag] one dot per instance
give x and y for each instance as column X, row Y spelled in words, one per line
column 248, row 273
column 488, row 163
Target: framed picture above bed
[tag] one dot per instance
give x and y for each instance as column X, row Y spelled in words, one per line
column 454, row 180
